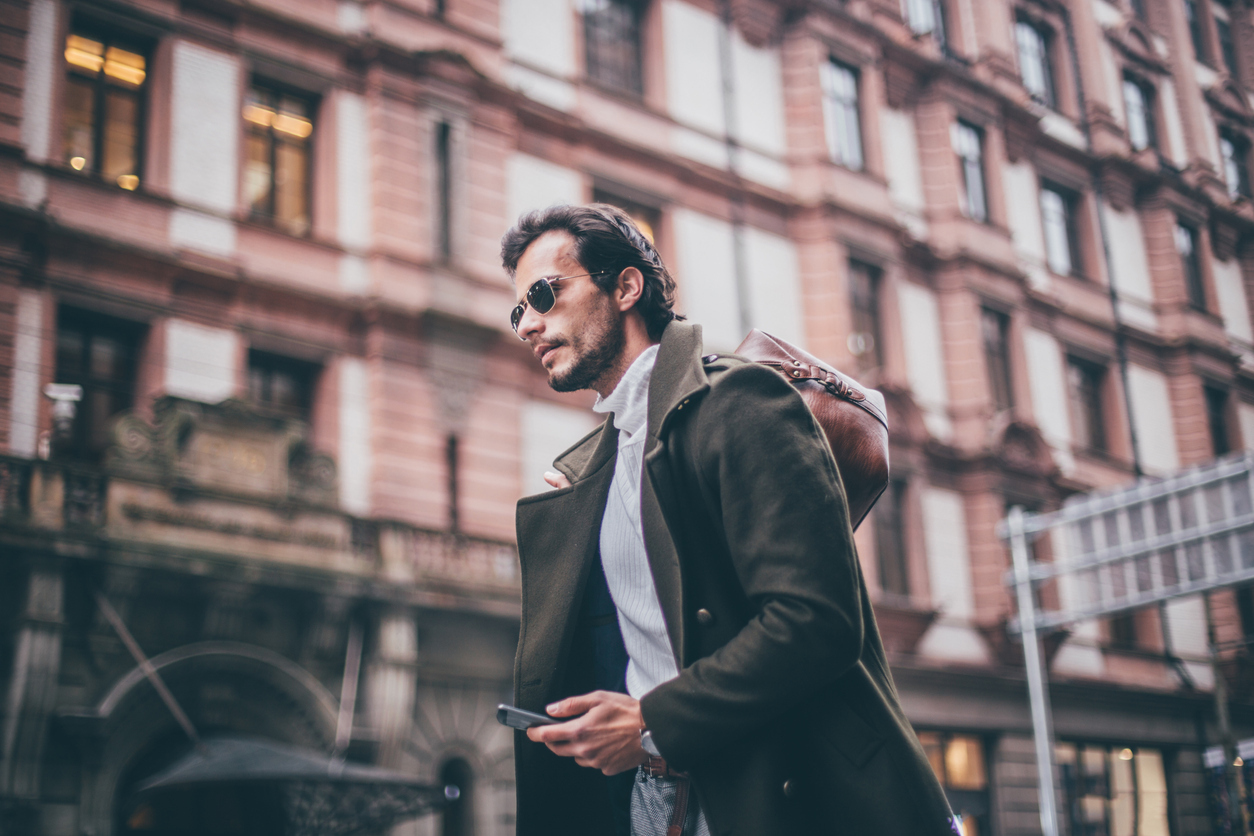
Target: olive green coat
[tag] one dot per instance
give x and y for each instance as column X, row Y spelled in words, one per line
column 784, row 710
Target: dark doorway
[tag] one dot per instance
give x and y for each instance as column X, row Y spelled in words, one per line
column 459, row 815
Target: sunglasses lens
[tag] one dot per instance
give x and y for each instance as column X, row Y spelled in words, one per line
column 515, row 316
column 540, row 296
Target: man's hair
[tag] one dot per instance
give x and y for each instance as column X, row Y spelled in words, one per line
column 606, row 239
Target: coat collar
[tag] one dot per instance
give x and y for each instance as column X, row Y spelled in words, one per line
column 678, row 375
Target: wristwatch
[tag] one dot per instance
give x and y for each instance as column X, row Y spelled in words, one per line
column 646, row 742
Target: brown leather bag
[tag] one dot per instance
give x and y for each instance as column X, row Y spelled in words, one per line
column 852, row 416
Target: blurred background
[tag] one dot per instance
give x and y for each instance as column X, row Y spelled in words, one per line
column 259, row 396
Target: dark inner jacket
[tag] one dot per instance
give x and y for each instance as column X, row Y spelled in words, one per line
column 784, row 711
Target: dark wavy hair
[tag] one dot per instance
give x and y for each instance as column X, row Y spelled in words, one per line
column 606, row 239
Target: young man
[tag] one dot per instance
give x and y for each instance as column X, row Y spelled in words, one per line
column 691, row 596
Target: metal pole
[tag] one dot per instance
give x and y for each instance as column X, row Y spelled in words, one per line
column 1038, row 693
column 348, row 689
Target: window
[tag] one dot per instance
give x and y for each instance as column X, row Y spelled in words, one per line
column 926, row 17
column 959, row 763
column 1113, row 790
column 1138, row 102
column 458, row 817
column 1236, row 154
column 1059, row 208
column 612, row 36
column 452, row 465
column 1193, row 15
column 840, row 112
column 890, row 540
column 444, row 189
column 1088, row 422
column 864, row 300
column 1034, row 64
column 1223, row 31
column 995, row 329
column 646, row 218
column 1123, row 631
column 276, row 174
column 104, row 106
column 101, row 354
column 281, row 384
column 968, row 145
column 1190, row 264
column 1217, row 419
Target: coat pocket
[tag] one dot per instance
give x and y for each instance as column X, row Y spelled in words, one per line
column 850, row 735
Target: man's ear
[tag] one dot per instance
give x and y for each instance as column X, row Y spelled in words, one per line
column 630, row 287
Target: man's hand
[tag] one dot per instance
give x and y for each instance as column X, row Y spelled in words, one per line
column 555, row 479
column 606, row 737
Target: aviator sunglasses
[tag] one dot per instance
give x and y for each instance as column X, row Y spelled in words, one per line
column 541, row 298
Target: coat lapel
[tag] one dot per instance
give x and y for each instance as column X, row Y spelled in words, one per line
column 678, row 376
column 558, row 535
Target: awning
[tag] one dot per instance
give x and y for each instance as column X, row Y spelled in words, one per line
column 320, row 796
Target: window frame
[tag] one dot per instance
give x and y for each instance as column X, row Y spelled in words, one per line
column 1234, row 148
column 1070, row 203
column 1048, row 96
column 1191, row 268
column 966, row 167
column 1089, row 431
column 872, row 312
column 306, row 374
column 130, row 335
column 853, row 158
column 997, row 363
column 314, row 104
column 934, row 26
column 108, row 36
column 595, row 70
column 892, row 551
column 1149, row 110
column 1071, row 783
column 1218, row 401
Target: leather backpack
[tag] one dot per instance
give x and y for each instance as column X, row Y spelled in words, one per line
column 853, row 417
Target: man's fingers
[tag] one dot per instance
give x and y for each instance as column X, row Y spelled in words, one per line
column 573, row 705
column 555, row 479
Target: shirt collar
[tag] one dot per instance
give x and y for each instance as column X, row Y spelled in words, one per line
column 629, row 402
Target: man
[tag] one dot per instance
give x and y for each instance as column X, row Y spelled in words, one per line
column 691, row 585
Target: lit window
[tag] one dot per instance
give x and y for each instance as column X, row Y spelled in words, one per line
column 646, row 218
column 1236, row 154
column 1190, row 264
column 968, row 145
column 1138, row 102
column 1034, row 63
column 104, row 103
column 995, row 330
column 840, row 112
column 276, row 175
column 1058, row 217
column 1088, row 419
column 612, row 39
column 864, row 300
column 959, row 763
column 1113, row 790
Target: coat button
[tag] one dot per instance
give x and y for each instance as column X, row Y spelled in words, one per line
column 705, row 617
column 790, row 788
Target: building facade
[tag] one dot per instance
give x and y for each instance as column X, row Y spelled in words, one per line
column 262, row 238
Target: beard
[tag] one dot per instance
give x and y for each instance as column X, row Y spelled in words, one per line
column 597, row 347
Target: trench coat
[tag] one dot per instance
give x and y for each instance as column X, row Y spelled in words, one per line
column 784, row 711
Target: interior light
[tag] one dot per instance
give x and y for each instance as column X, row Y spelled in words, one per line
column 127, row 67
column 84, row 52
column 258, row 114
column 293, row 125
column 1125, row 755
column 77, row 163
column 129, row 182
column 1238, row 761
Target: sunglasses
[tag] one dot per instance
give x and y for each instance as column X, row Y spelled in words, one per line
column 541, row 298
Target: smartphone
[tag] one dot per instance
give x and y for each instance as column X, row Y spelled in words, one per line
column 516, row 718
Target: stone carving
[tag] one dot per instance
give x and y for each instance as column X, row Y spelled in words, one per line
column 227, row 448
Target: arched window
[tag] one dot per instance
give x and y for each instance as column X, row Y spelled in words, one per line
column 459, row 815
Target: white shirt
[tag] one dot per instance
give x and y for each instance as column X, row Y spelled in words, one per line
column 650, row 658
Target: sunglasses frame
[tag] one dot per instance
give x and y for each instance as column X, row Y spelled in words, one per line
column 516, row 314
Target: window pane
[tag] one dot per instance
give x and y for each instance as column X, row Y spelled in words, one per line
column 964, row 763
column 124, row 67
column 1138, row 117
column 931, row 742
column 996, row 327
column 966, row 141
column 1057, row 237
column 1227, row 47
column 1122, row 794
column 276, row 171
column 840, row 109
column 1034, row 62
column 79, row 123
column 292, row 187
column 1190, row 264
column 84, row 55
column 890, row 540
column 257, row 174
column 1151, row 782
column 612, row 35
column 121, row 137
column 864, row 294
column 1195, row 29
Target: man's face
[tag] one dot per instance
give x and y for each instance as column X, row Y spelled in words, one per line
column 581, row 337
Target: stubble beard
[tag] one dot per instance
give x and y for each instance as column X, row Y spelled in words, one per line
column 597, row 347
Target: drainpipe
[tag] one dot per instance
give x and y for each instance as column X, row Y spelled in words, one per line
column 732, row 145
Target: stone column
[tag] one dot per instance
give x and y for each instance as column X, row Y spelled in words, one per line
column 390, row 679
column 33, row 686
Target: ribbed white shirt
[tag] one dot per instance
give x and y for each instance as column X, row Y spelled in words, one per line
column 650, row 659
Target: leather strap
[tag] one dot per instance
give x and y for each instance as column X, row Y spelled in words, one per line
column 680, row 814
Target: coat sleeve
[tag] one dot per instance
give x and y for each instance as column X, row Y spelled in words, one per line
column 763, row 459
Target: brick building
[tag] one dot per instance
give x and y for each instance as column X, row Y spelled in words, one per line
column 262, row 237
